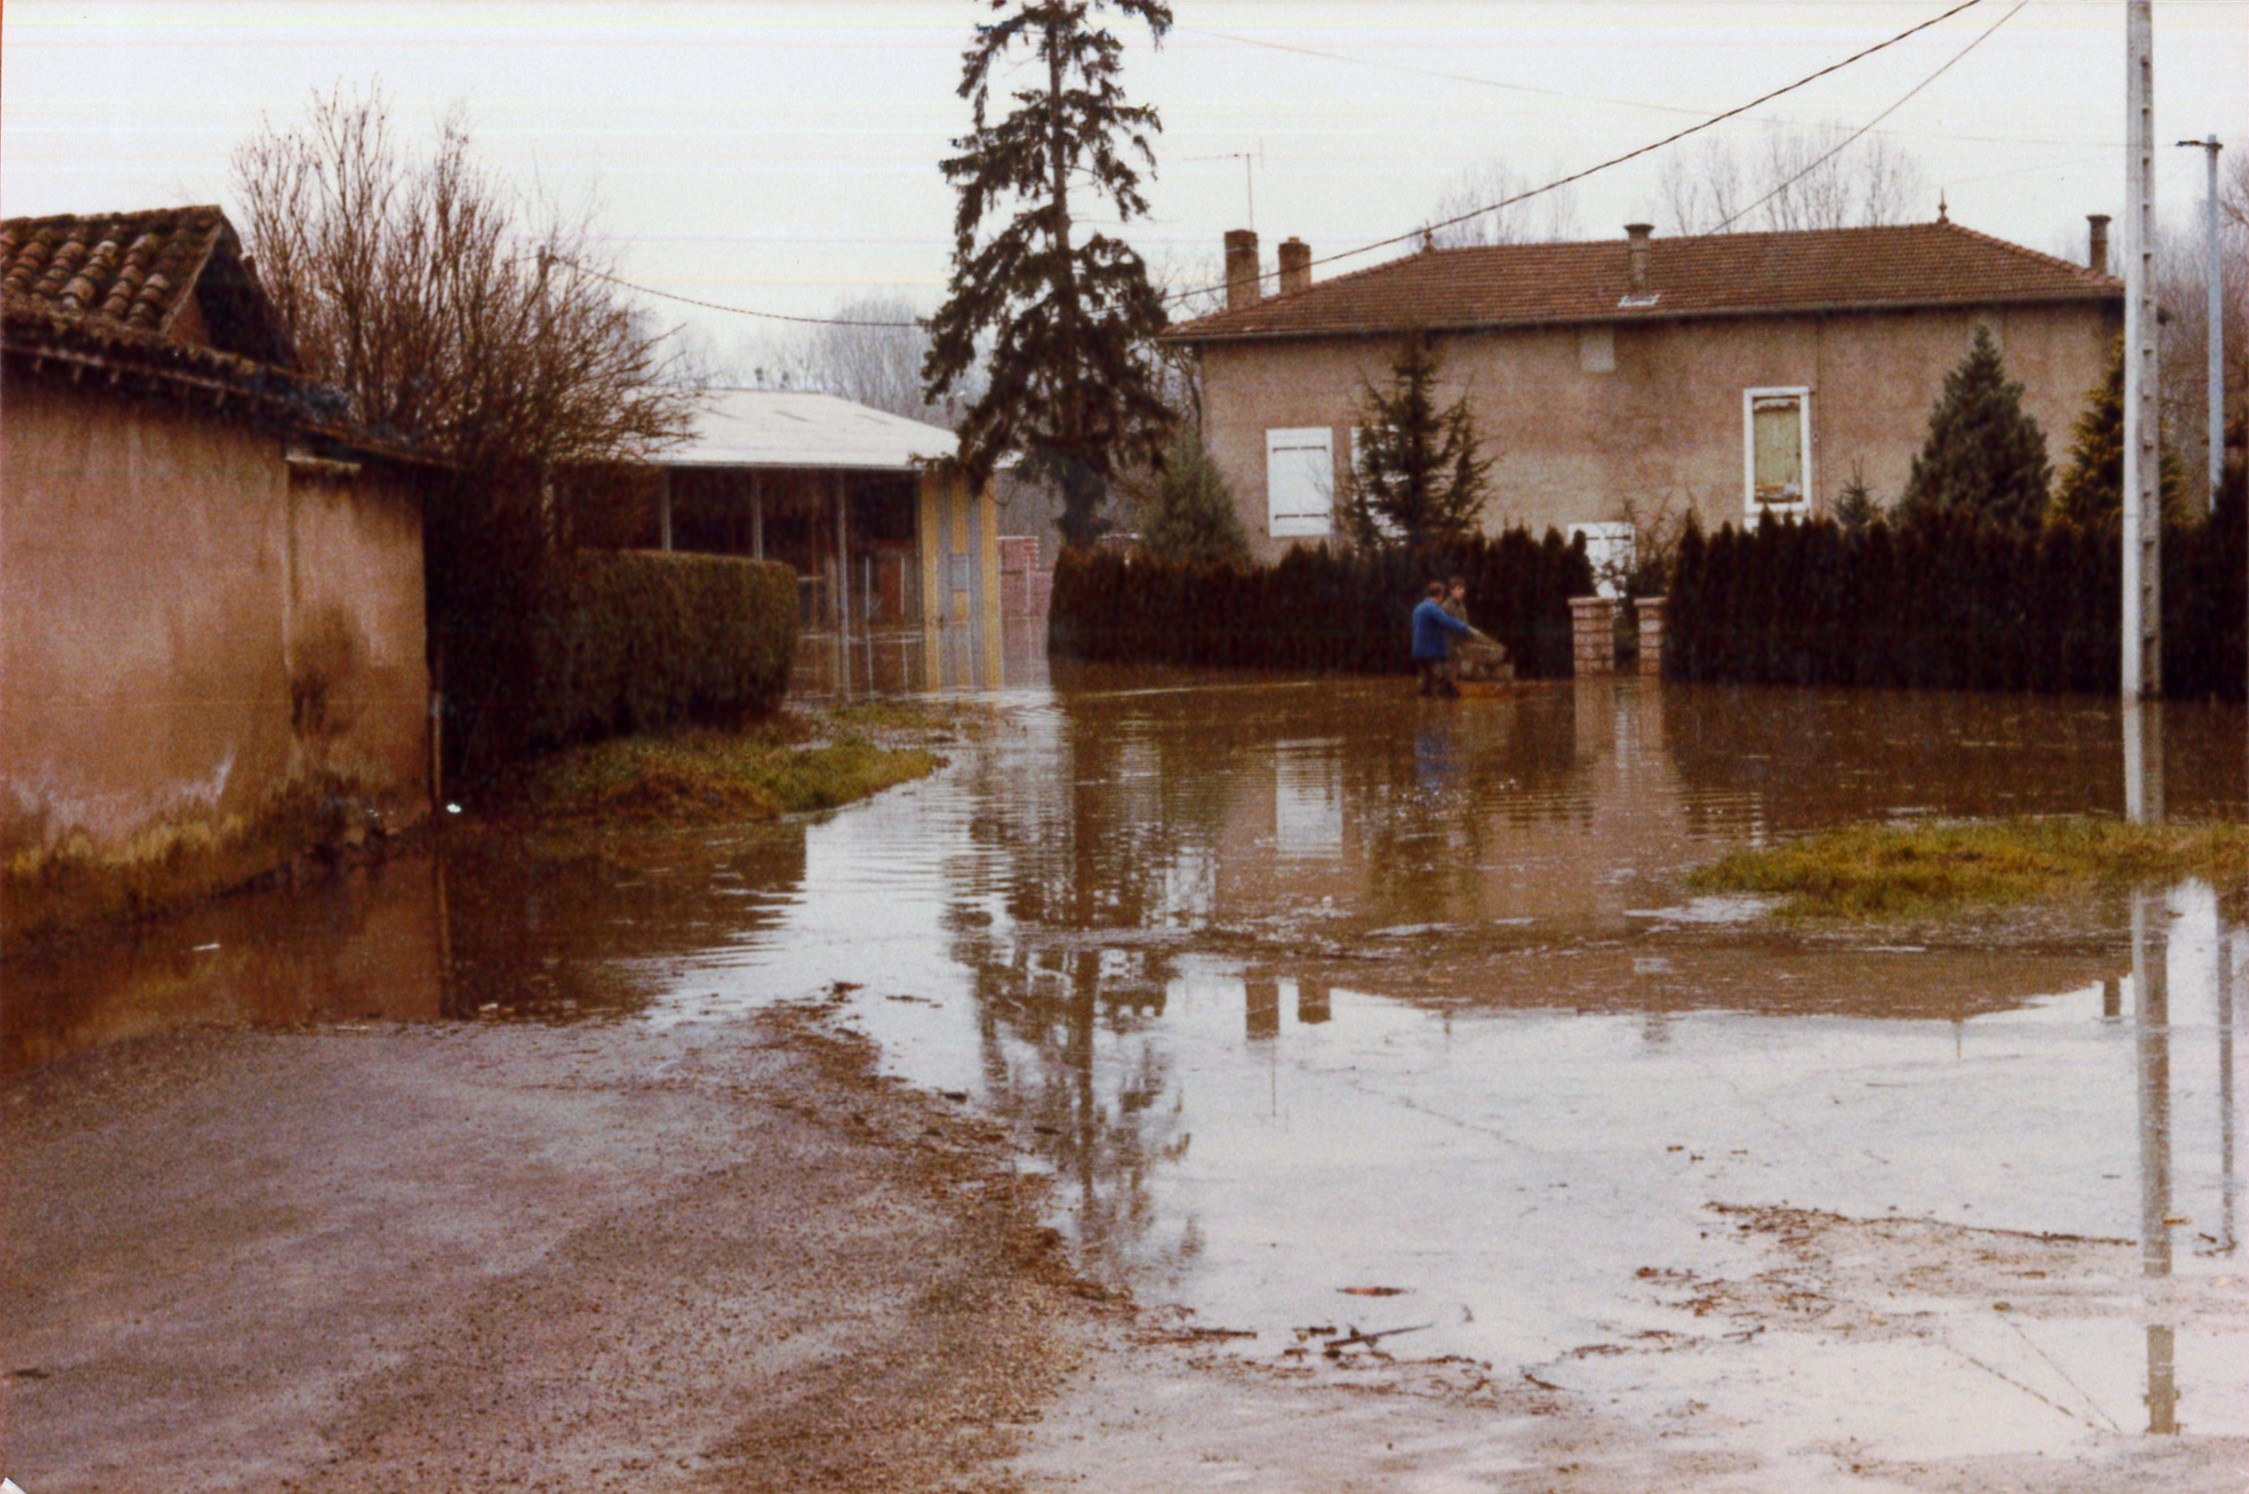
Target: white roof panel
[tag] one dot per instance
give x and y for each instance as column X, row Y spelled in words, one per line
column 796, row 428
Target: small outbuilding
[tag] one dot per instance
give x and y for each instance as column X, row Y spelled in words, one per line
column 211, row 607
column 886, row 535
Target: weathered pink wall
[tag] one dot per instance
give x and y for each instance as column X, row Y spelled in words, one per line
column 160, row 574
column 1572, row 446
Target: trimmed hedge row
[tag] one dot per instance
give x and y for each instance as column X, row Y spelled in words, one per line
column 1946, row 603
column 634, row 640
column 1315, row 610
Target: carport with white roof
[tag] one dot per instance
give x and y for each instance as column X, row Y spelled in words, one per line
column 882, row 529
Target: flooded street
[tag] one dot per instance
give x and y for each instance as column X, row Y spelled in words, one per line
column 1372, row 1043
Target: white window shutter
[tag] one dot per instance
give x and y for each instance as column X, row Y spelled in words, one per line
column 1299, row 482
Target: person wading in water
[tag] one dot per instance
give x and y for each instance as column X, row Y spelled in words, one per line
column 1433, row 630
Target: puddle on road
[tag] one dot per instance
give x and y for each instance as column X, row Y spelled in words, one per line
column 1296, row 987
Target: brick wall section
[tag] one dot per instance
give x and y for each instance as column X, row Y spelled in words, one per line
column 1026, row 586
column 1593, row 635
column 1650, row 610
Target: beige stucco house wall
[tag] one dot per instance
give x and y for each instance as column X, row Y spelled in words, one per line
column 189, row 626
column 211, row 605
column 1617, row 415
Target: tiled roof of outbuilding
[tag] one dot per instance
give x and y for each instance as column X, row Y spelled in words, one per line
column 1741, row 274
column 137, row 272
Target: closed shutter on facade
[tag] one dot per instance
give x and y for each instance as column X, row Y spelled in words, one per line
column 1776, row 450
column 1299, row 482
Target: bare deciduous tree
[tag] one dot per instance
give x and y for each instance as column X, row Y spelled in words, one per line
column 446, row 309
column 870, row 350
column 1801, row 178
column 1546, row 218
column 451, row 314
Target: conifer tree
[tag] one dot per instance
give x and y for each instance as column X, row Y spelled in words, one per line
column 1855, row 506
column 1985, row 456
column 1070, row 315
column 1417, row 477
column 1189, row 516
column 2091, row 491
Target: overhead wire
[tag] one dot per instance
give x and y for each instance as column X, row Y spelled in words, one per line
column 1858, row 134
column 1613, row 161
column 771, row 316
column 1701, row 124
column 1609, row 101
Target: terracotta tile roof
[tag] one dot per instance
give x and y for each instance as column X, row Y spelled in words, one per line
column 139, row 272
column 1741, row 274
column 91, row 349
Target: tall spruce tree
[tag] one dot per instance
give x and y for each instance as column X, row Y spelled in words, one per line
column 1417, row 477
column 2090, row 494
column 1985, row 456
column 1071, row 318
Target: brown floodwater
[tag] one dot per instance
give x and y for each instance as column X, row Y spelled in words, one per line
column 1295, row 985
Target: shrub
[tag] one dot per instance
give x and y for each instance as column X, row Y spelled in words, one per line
column 638, row 641
column 1948, row 602
column 1316, row 610
column 1188, row 517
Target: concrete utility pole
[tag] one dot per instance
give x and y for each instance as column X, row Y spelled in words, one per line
column 2143, row 504
column 2215, row 392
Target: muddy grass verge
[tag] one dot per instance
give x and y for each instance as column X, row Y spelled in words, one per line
column 800, row 761
column 1926, row 871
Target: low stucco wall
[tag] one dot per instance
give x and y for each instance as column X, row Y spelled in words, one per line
column 186, row 631
column 1571, row 444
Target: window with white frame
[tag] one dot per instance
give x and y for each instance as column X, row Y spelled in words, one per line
column 1777, row 450
column 1299, row 482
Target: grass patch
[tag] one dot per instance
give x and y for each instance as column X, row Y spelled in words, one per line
column 1929, row 870
column 716, row 777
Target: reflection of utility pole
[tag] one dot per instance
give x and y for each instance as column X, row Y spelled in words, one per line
column 2142, row 674
column 2228, row 1188
column 2214, row 391
column 2152, row 1021
column 2151, row 1013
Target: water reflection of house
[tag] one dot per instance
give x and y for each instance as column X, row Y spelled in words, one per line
column 884, row 535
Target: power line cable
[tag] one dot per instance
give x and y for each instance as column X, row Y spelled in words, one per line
column 1562, row 181
column 1856, row 135
column 1510, row 86
column 771, row 316
column 1617, row 160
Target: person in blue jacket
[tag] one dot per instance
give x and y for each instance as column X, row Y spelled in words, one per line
column 1433, row 630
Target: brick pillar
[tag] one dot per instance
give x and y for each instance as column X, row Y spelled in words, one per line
column 1593, row 634
column 1651, row 635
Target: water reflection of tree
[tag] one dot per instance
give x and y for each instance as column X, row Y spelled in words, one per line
column 1094, row 853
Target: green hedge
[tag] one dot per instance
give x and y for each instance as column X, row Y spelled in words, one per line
column 636, row 640
column 1946, row 603
column 1316, row 610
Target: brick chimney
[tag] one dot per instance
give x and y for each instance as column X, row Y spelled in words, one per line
column 1296, row 266
column 1636, row 284
column 1242, row 287
column 2096, row 242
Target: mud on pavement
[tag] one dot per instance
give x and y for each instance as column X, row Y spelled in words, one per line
column 516, row 1257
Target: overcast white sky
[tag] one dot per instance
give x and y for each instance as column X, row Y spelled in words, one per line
column 782, row 154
